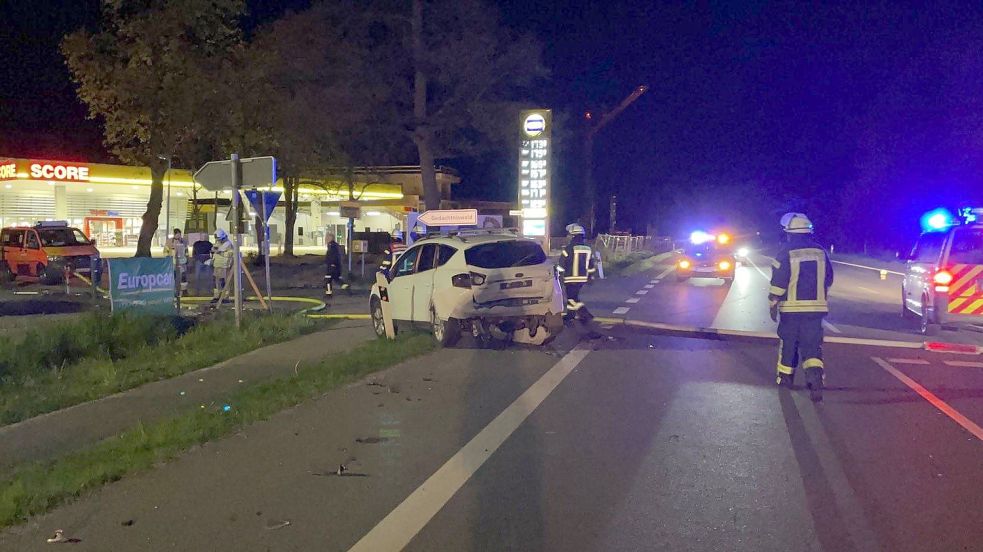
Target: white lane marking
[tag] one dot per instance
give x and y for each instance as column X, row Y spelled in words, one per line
column 943, row 406
column 653, row 281
column 907, row 361
column 665, row 272
column 641, row 292
column 963, row 363
column 829, row 326
column 870, row 268
column 761, row 272
column 867, row 289
column 649, row 286
column 396, row 530
column 633, row 300
column 621, row 310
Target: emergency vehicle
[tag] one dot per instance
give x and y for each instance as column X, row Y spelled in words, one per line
column 45, row 250
column 943, row 279
column 707, row 256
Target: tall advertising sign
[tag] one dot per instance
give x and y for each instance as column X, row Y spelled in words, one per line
column 535, row 172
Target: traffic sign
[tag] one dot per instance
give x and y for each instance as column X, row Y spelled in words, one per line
column 258, row 197
column 256, row 172
column 449, row 217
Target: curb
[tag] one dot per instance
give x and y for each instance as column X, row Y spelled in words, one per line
column 697, row 332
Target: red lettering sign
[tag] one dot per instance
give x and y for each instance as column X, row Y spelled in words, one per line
column 8, row 171
column 59, row 172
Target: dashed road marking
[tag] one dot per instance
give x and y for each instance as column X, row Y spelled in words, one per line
column 621, row 310
column 641, row 292
column 653, row 281
column 633, row 300
column 963, row 363
column 649, row 286
column 907, row 361
column 398, row 528
column 829, row 326
column 665, row 273
column 943, row 406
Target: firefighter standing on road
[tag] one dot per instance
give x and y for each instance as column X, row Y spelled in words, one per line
column 222, row 259
column 800, row 279
column 576, row 269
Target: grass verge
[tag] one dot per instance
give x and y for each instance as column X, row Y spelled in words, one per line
column 38, row 487
column 96, row 356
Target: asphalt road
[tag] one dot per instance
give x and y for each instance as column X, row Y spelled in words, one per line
column 632, row 443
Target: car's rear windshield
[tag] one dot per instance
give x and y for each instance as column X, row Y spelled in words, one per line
column 967, row 246
column 504, row 254
column 58, row 237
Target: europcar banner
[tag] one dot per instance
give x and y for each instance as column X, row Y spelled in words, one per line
column 143, row 284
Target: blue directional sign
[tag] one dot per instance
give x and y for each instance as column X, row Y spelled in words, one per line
column 258, row 197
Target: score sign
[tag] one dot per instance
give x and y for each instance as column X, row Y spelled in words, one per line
column 8, row 170
column 535, row 170
column 43, row 171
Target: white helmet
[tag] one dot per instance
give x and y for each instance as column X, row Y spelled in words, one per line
column 220, row 234
column 796, row 223
column 575, row 229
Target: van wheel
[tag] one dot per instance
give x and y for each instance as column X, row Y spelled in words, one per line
column 928, row 327
column 445, row 332
column 6, row 274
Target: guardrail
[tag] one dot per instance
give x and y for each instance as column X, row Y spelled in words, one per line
column 629, row 244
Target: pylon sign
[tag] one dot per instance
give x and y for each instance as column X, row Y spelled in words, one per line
column 535, row 170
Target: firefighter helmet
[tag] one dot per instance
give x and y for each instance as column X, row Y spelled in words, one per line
column 796, row 223
column 575, row 229
column 220, row 234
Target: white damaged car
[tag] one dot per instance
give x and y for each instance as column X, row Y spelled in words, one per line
column 489, row 284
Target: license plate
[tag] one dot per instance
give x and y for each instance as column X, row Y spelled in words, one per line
column 518, row 284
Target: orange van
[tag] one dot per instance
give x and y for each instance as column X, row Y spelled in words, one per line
column 45, row 250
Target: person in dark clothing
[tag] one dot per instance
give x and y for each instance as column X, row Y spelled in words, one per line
column 333, row 263
column 800, row 280
column 576, row 268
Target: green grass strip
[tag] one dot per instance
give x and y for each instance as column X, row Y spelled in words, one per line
column 99, row 356
column 38, row 487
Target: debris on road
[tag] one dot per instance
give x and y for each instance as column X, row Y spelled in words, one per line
column 127, row 523
column 371, row 440
column 59, row 537
column 277, row 524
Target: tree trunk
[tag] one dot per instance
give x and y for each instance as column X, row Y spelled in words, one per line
column 290, row 197
column 149, row 226
column 422, row 133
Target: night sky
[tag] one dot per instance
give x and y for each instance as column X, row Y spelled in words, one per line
column 754, row 107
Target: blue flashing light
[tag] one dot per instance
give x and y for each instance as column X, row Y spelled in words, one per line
column 699, row 237
column 937, row 219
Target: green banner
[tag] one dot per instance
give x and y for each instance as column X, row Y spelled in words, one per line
column 143, row 284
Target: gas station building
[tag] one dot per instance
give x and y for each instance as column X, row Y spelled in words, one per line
column 107, row 202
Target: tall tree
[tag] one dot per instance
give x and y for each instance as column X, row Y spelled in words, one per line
column 147, row 74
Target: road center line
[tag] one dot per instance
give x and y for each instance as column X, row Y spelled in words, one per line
column 665, row 273
column 829, row 326
column 963, row 363
column 649, row 286
column 641, row 292
column 908, row 361
column 621, row 310
column 869, row 268
column 633, row 300
column 944, row 407
column 761, row 272
column 396, row 530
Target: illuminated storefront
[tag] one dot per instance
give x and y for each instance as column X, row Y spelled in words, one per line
column 108, row 201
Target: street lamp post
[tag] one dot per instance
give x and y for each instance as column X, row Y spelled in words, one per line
column 602, row 122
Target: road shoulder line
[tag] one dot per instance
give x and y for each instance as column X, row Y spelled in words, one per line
column 398, row 528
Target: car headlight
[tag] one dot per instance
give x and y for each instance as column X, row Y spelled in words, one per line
column 743, row 252
column 724, row 265
column 684, row 263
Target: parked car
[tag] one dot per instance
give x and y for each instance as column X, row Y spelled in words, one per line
column 45, row 250
column 489, row 283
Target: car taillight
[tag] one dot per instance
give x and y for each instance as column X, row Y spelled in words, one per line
column 461, row 280
column 477, row 279
column 942, row 280
column 724, row 265
column 684, row 263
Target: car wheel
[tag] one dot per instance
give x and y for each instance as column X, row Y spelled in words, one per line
column 6, row 274
column 378, row 322
column 445, row 332
column 927, row 326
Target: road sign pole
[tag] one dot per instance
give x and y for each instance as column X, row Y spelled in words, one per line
column 237, row 210
column 266, row 253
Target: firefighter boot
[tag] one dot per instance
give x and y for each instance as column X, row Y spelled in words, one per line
column 814, row 381
column 785, row 380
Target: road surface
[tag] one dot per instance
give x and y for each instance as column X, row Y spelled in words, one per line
column 634, row 443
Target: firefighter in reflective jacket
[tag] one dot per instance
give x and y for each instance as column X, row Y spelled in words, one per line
column 223, row 257
column 800, row 279
column 576, row 269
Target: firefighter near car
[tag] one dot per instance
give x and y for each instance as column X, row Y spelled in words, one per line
column 576, row 269
column 801, row 277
